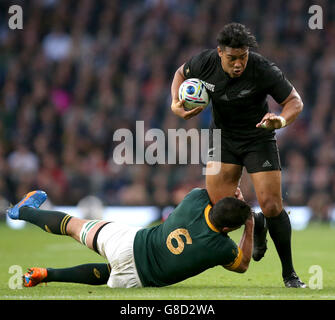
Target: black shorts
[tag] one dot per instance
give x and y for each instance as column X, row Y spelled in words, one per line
column 254, row 155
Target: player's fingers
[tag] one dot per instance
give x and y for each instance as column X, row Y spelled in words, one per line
column 273, row 117
column 264, row 118
column 189, row 116
column 262, row 123
column 192, row 113
column 180, row 104
column 196, row 110
column 238, row 194
column 178, row 108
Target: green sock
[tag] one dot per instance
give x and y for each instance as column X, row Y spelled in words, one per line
column 91, row 273
column 50, row 221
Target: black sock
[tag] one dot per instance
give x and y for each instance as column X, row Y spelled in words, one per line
column 50, row 221
column 280, row 231
column 91, row 273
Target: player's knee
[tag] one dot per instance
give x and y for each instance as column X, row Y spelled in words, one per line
column 270, row 207
column 85, row 235
column 216, row 194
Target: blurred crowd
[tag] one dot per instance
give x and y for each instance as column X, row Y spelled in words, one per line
column 80, row 70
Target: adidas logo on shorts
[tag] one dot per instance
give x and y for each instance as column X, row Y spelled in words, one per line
column 266, row 164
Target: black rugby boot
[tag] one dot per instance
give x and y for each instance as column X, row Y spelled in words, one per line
column 293, row 281
column 260, row 231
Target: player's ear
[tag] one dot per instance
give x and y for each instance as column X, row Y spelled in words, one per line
column 220, row 51
column 226, row 229
column 229, row 229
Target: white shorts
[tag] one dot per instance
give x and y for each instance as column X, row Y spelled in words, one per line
column 115, row 242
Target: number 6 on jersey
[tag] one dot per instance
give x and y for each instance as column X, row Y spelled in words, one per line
column 176, row 234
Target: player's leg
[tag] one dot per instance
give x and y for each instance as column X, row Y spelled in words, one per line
column 224, row 182
column 224, row 168
column 267, row 186
column 263, row 164
column 268, row 194
column 113, row 241
column 27, row 210
column 268, row 190
column 85, row 231
column 55, row 222
column 90, row 273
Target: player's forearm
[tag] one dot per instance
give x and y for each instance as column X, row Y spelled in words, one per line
column 292, row 107
column 246, row 242
column 178, row 79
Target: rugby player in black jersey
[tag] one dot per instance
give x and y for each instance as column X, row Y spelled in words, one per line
column 238, row 82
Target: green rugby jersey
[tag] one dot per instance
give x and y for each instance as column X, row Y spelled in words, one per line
column 185, row 245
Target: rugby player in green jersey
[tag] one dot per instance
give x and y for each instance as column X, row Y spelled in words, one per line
column 193, row 239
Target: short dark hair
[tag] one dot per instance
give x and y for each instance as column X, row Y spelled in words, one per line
column 236, row 35
column 229, row 212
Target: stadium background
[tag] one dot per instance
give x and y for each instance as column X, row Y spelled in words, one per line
column 79, row 70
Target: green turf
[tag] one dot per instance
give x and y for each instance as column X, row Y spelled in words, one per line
column 33, row 247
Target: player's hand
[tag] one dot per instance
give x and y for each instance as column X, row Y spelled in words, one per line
column 270, row 121
column 178, row 109
column 238, row 194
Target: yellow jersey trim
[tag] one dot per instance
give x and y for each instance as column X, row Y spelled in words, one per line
column 236, row 263
column 207, row 209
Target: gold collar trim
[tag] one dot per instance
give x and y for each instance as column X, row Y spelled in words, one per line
column 207, row 209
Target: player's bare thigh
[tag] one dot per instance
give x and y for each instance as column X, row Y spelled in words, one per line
column 76, row 224
column 224, row 182
column 267, row 186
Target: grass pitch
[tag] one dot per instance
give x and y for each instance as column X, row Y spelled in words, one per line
column 32, row 247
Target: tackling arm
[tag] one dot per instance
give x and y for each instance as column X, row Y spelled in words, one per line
column 245, row 247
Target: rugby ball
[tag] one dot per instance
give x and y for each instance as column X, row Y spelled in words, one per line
column 194, row 92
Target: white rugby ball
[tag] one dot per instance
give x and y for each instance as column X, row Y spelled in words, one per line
column 194, row 92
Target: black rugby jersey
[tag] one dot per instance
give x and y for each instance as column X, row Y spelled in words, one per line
column 239, row 103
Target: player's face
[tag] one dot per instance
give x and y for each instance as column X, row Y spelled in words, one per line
column 234, row 60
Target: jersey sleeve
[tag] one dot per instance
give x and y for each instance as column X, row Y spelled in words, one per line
column 277, row 85
column 197, row 66
column 235, row 258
